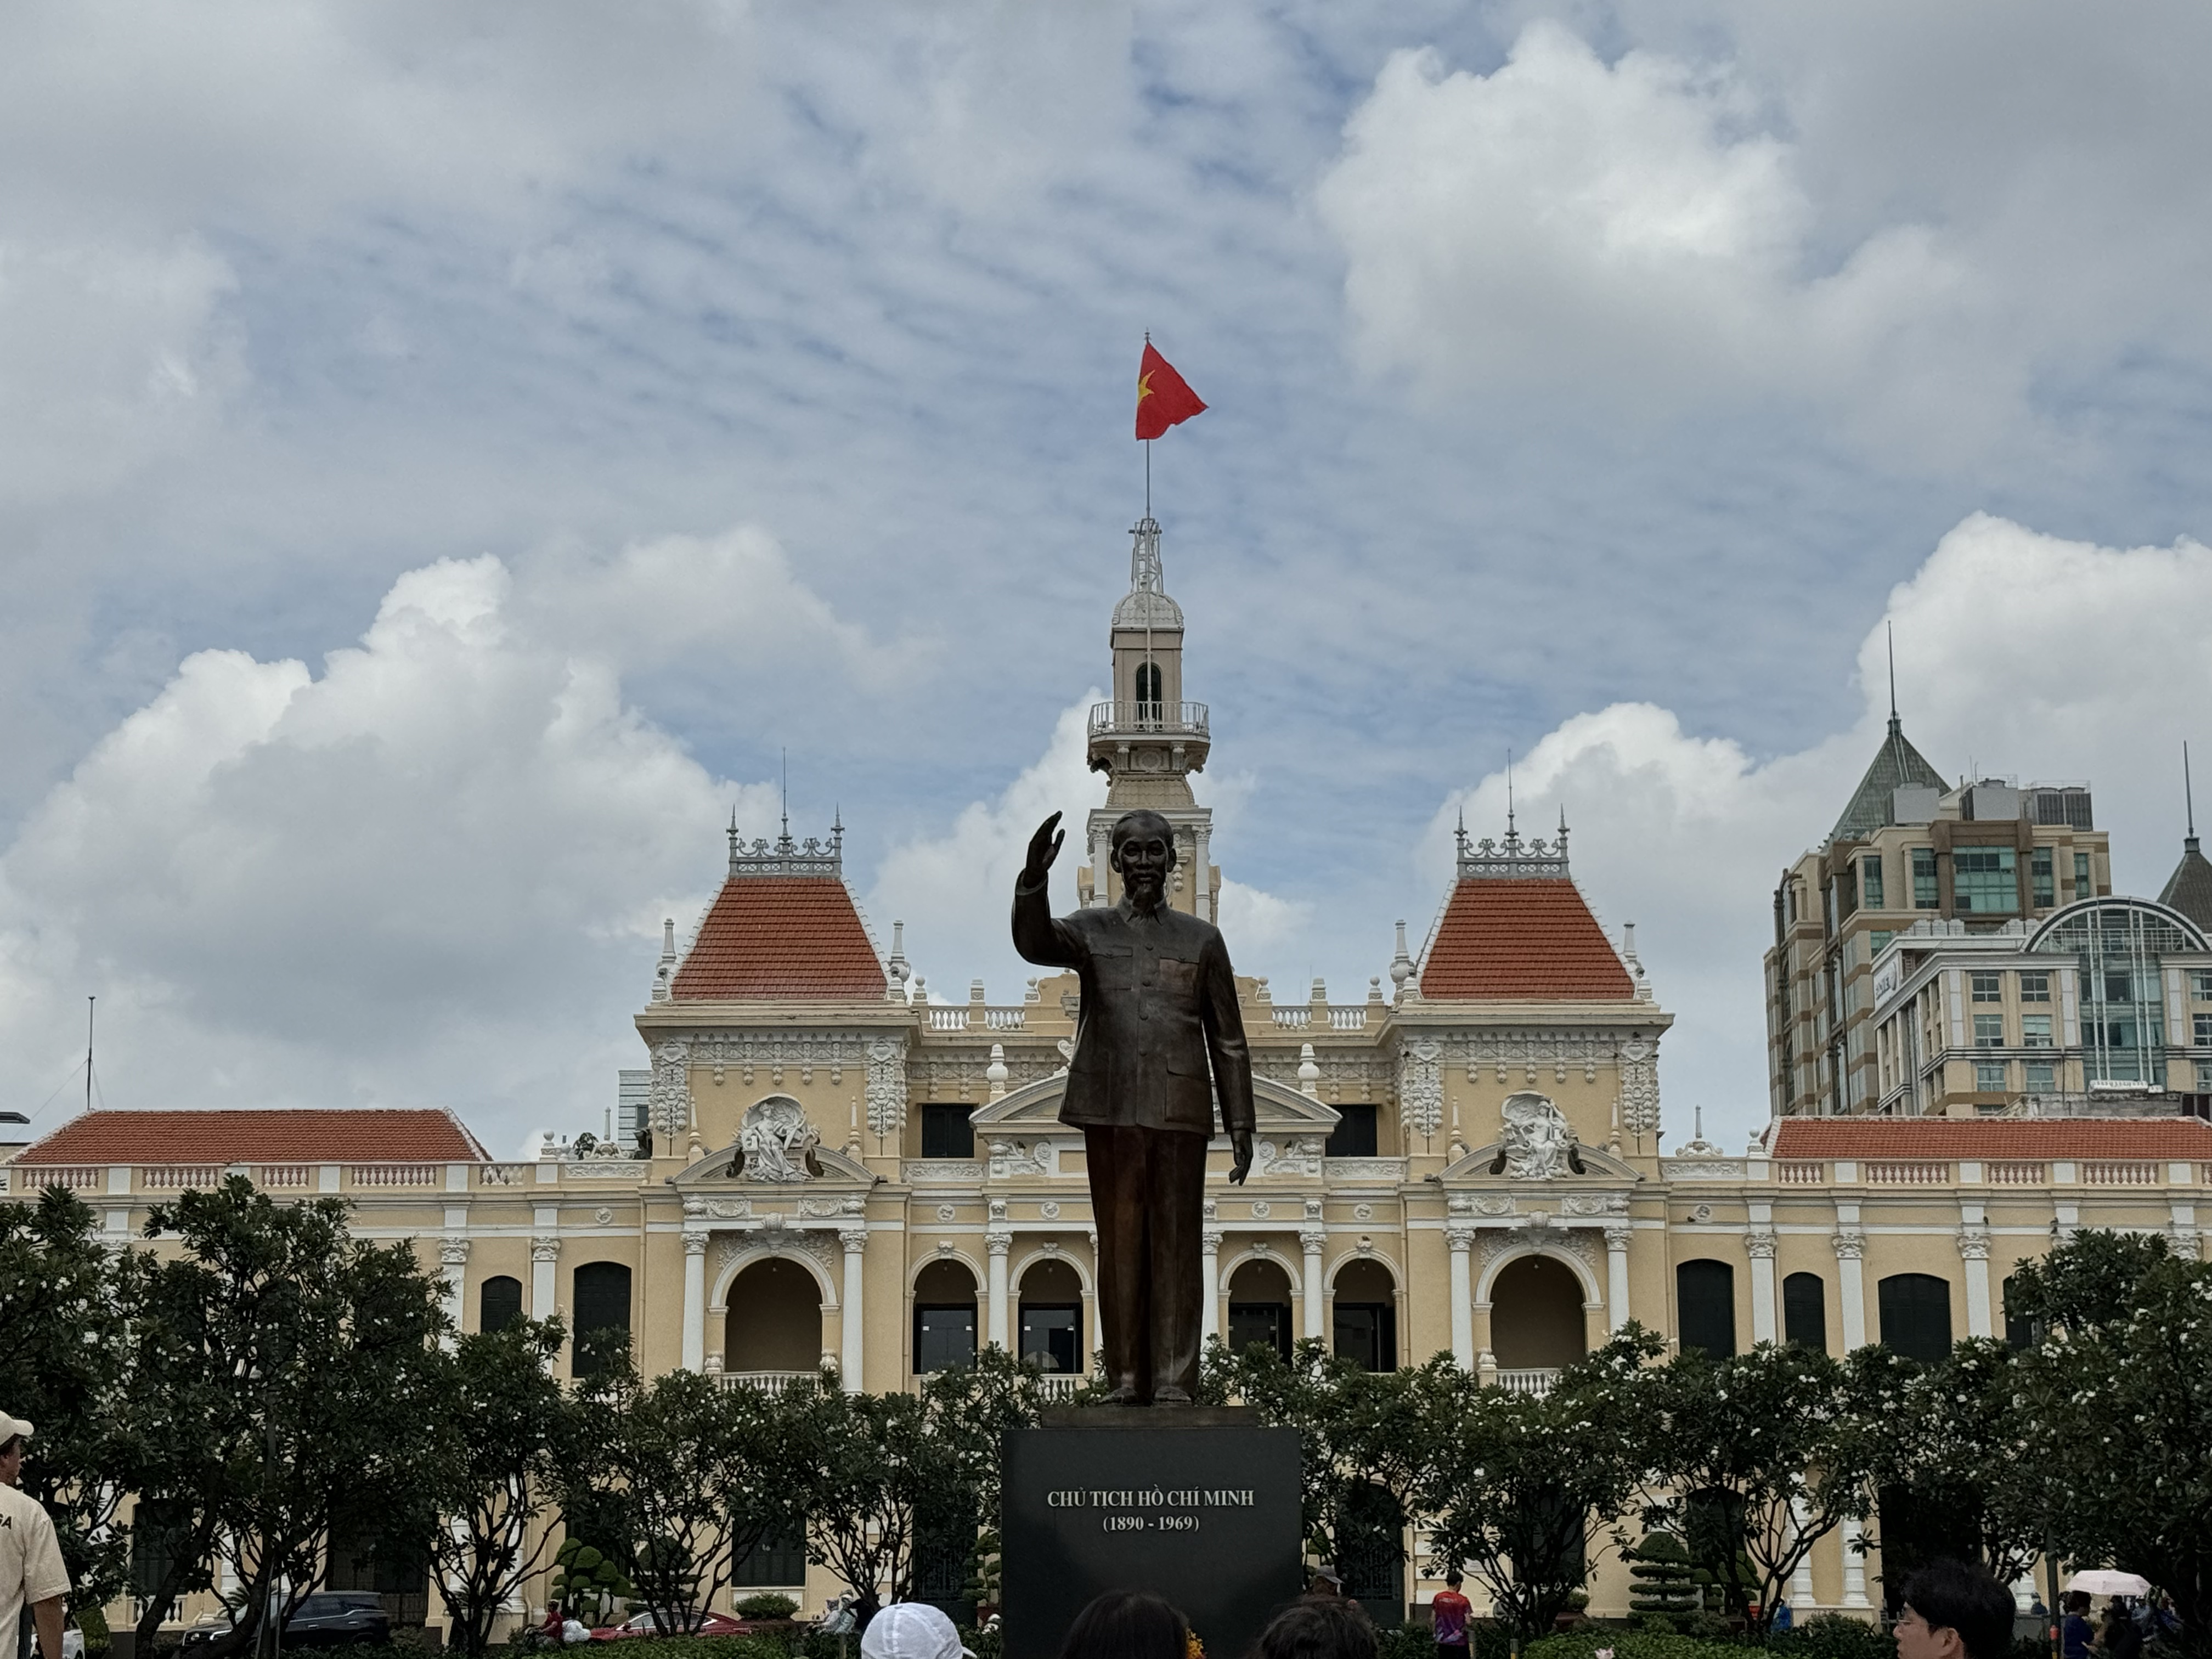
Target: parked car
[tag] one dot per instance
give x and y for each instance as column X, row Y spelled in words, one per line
column 640, row 1624
column 326, row 1618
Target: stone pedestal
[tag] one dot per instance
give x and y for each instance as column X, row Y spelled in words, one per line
column 1199, row 1505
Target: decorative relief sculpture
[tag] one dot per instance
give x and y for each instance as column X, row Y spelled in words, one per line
column 777, row 1141
column 668, row 1104
column 1421, row 1086
column 1296, row 1157
column 1538, row 1145
column 1015, row 1157
column 886, row 1086
column 1639, row 1087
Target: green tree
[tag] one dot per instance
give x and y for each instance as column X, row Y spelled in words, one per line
column 1528, row 1484
column 1956, row 1444
column 1753, row 1460
column 1369, row 1442
column 65, row 1365
column 283, row 1376
column 691, row 1474
column 2118, row 1394
column 495, row 1448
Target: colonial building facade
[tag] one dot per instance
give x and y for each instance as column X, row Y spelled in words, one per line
column 826, row 1163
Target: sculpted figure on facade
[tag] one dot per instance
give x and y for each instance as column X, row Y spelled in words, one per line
column 1538, row 1145
column 776, row 1140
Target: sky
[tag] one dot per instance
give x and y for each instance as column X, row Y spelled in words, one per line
column 453, row 455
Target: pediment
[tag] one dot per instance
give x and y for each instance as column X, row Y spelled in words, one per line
column 1597, row 1166
column 719, row 1169
column 1035, row 1106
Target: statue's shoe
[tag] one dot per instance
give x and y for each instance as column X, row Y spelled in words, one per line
column 1170, row 1397
column 1127, row 1395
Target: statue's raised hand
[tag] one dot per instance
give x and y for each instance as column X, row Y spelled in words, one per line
column 1044, row 847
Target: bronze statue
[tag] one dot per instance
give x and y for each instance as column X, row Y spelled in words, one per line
column 1159, row 1012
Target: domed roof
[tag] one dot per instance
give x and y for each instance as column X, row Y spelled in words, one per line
column 1147, row 608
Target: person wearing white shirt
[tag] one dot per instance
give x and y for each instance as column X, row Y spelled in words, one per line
column 31, row 1571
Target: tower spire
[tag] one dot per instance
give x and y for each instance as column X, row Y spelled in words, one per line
column 1889, row 632
column 1509, row 793
column 2188, row 793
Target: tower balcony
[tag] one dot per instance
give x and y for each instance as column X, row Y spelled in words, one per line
column 1116, row 719
column 1160, row 739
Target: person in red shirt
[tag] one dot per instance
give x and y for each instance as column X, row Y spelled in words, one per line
column 1450, row 1611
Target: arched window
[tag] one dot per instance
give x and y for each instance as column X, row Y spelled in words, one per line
column 1537, row 1317
column 1366, row 1309
column 602, row 1309
column 1915, row 1316
column 499, row 1303
column 1704, row 1307
column 775, row 1320
column 1260, row 1308
column 1805, row 1311
column 1148, row 690
column 944, row 1318
column 2021, row 1331
column 1052, row 1316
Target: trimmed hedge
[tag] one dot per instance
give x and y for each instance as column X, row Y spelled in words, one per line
column 1827, row 1636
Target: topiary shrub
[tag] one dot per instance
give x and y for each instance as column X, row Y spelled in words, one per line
column 1662, row 1578
column 1834, row 1635
column 769, row 1604
column 587, row 1584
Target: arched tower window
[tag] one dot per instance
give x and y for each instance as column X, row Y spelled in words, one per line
column 1915, row 1316
column 1805, row 1311
column 1148, row 691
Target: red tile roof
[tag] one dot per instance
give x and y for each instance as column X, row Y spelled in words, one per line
column 311, row 1135
column 782, row 939
column 1512, row 939
column 1992, row 1138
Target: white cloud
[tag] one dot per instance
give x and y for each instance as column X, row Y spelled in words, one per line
column 1634, row 232
column 2026, row 655
column 434, row 871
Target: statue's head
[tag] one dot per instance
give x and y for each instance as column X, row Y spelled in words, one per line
column 1142, row 849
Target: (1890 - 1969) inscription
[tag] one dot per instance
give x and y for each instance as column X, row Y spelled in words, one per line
column 1171, row 1507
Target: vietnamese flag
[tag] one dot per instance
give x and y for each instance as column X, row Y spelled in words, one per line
column 1164, row 397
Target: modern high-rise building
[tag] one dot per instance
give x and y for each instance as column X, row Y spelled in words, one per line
column 1908, row 848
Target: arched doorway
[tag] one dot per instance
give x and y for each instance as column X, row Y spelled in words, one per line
column 1536, row 1324
column 775, row 1319
column 1260, row 1307
column 1051, row 1317
column 944, row 1318
column 1366, row 1316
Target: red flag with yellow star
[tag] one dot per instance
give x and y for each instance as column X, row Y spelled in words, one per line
column 1164, row 397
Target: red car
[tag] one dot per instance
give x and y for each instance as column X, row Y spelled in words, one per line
column 640, row 1624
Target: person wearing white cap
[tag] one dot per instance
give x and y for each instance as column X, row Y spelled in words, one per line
column 30, row 1570
column 911, row 1630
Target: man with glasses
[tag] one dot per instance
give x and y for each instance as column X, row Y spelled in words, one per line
column 31, row 1572
column 1953, row 1611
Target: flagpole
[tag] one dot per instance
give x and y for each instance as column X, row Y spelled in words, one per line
column 1148, row 477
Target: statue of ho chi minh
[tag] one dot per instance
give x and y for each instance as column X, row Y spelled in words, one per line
column 1160, row 1033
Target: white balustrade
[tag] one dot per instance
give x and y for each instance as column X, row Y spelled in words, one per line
column 2110, row 1174
column 1537, row 1379
column 2015, row 1173
column 501, row 1174
column 275, row 1176
column 396, row 1175
column 1800, row 1175
column 768, row 1381
column 180, row 1177
column 1915, row 1173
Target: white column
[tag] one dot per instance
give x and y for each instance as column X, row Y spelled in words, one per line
column 1460, row 1237
column 1800, row 1580
column 695, row 1302
column 1851, row 1246
column 1209, row 1283
column 1312, row 1239
column 545, row 1256
column 855, row 1240
column 1855, row 1594
column 1760, row 1241
column 1616, row 1275
column 1201, row 878
column 453, row 1267
column 995, row 1324
column 1974, row 1254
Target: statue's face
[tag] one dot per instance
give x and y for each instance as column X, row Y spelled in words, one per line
column 1144, row 860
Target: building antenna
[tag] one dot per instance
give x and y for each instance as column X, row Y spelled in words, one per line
column 1509, row 792
column 787, row 793
column 2188, row 792
column 89, row 1003
column 1889, row 630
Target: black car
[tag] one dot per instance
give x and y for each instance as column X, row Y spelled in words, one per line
column 324, row 1620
